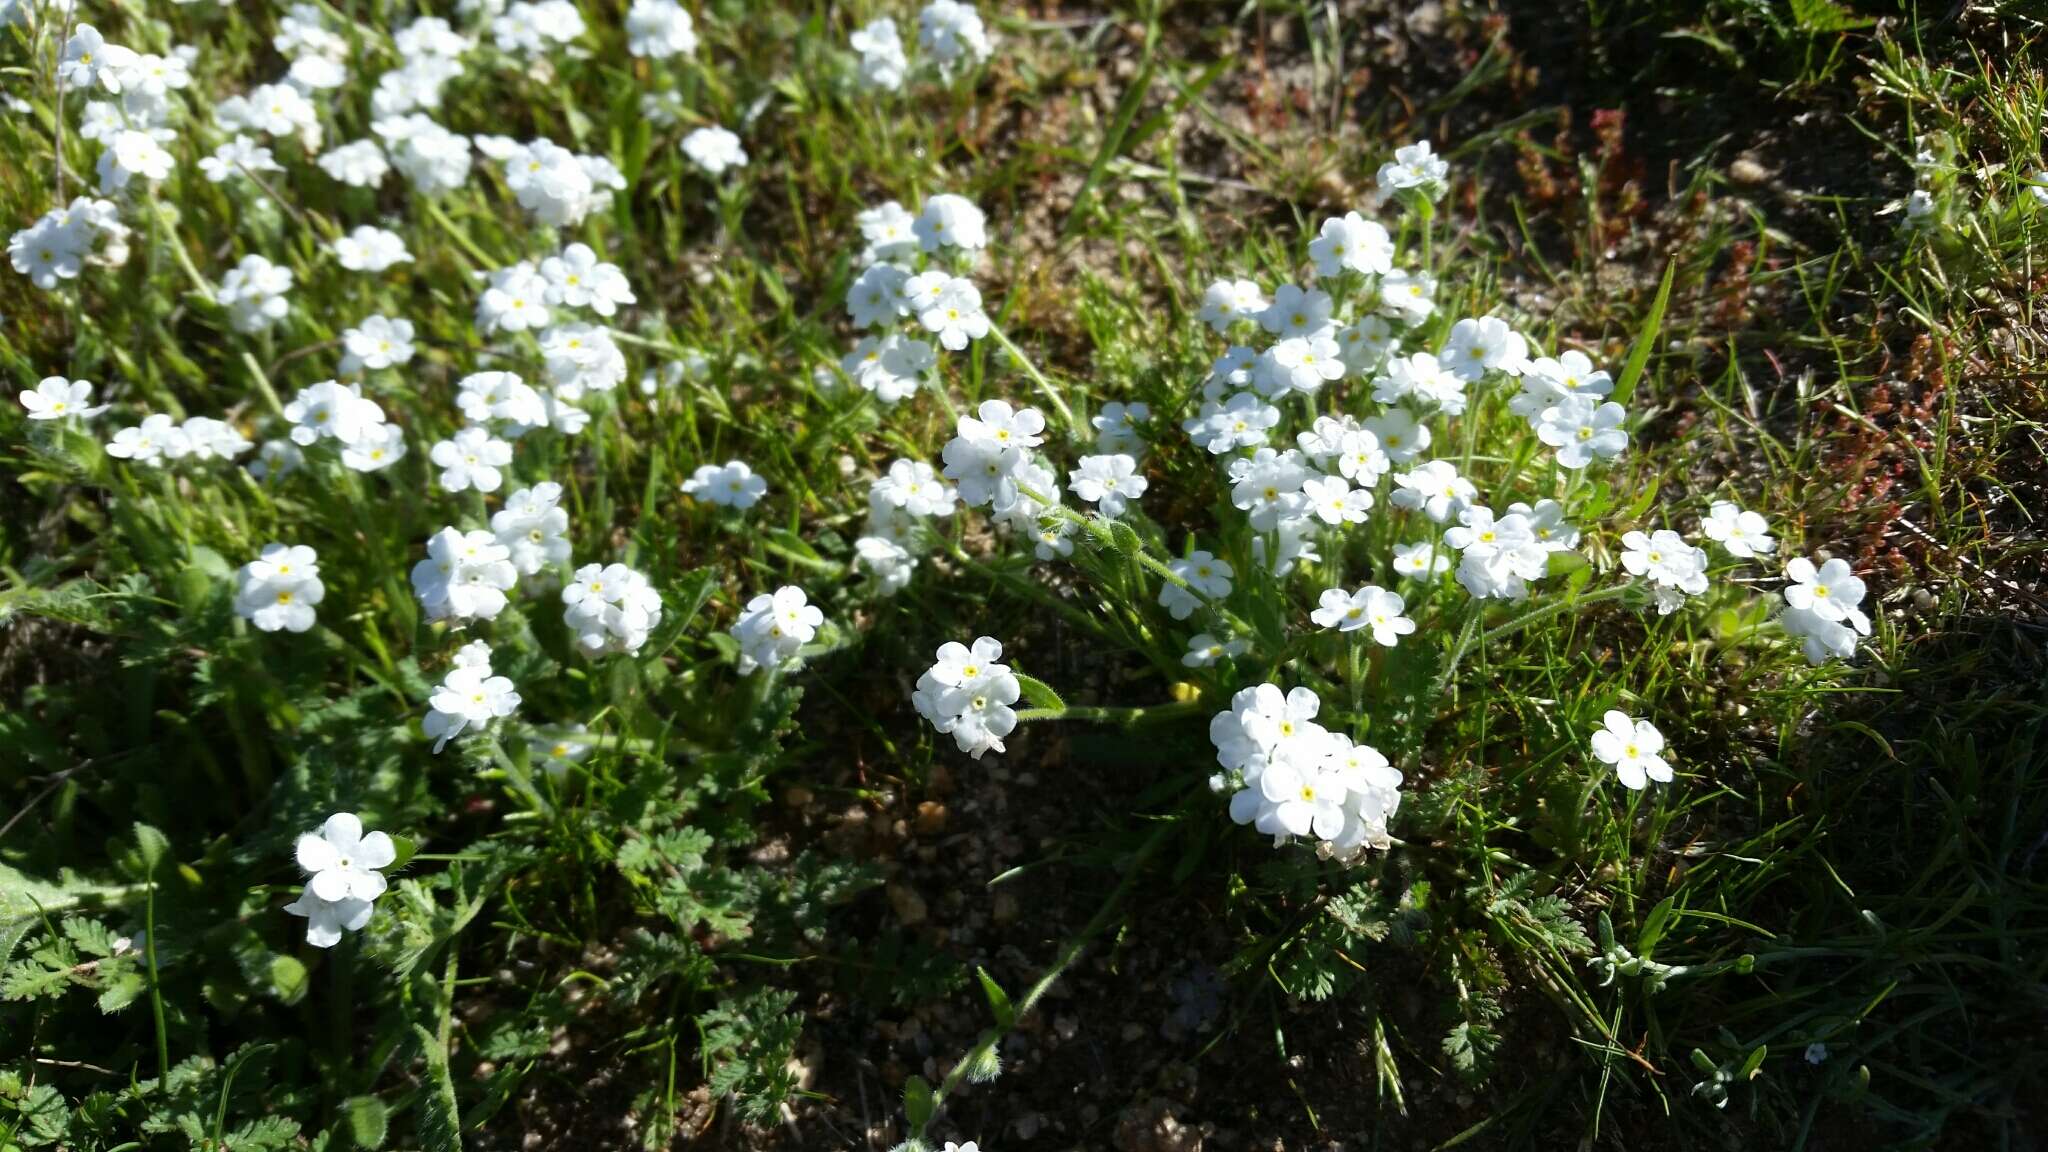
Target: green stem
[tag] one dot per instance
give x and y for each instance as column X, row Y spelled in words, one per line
column 1045, row 386
column 1129, row 717
column 156, row 995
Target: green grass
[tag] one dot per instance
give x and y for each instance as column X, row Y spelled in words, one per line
column 1849, row 855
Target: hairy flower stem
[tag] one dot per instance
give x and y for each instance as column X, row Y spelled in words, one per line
column 1052, row 394
column 1128, row 717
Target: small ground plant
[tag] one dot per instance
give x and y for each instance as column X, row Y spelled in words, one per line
column 568, row 570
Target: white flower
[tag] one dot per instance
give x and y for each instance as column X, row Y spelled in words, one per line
column 130, row 154
column 951, row 221
column 279, row 589
column 470, row 697
column 1832, row 591
column 1546, row 523
column 210, row 439
column 152, row 442
column 774, row 628
column 553, row 184
column 1400, row 435
column 534, row 527
column 1299, row 364
column 530, row 29
column 1422, row 558
column 913, row 487
column 1359, row 458
column 342, row 862
column 486, row 396
column 277, row 460
column 1241, row 422
column 429, row 156
column 473, row 458
column 1500, row 556
column 327, row 920
column 732, row 485
column 989, row 449
column 967, row 694
column 578, row 279
column 1583, row 431
column 1109, row 482
column 1741, row 533
column 376, row 449
column 1268, row 486
column 253, row 292
column 276, row 110
column 90, row 62
column 1205, row 650
column 1290, row 776
column 889, row 229
column 891, row 563
column 876, row 295
column 1351, row 243
column 1477, row 347
column 377, row 343
column 56, row 398
column 235, row 157
column 465, row 575
column 714, row 150
column 1421, row 378
column 1370, row 607
column 559, row 750
column 952, row 33
column 1226, row 302
column 1116, row 426
column 883, row 64
column 1668, row 563
column 1297, row 312
column 1206, row 577
column 1365, row 344
column 1409, row 297
column 1547, row 382
column 1414, row 167
column 1333, row 500
column 893, row 367
column 580, row 358
column 1435, row 488
column 370, row 249
column 611, row 608
column 1632, row 747
column 515, row 300
column 329, row 410
column 955, row 314
column 1229, row 372
column 659, row 29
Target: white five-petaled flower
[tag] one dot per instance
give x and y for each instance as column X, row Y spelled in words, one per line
column 279, row 589
column 1583, row 430
column 342, row 862
column 473, row 458
column 1741, row 533
column 1109, row 482
column 714, row 149
column 1351, row 243
column 774, row 628
column 731, row 484
column 967, row 693
column 1634, row 748
column 1371, row 607
column 56, row 398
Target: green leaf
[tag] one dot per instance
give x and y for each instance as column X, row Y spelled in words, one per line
column 1039, row 693
column 917, row 1103
column 1755, row 1064
column 998, row 1000
column 1826, row 16
column 1646, row 340
column 152, row 846
column 287, row 978
column 368, row 1120
column 404, row 848
column 1653, row 926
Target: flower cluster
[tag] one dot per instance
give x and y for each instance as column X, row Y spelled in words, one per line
column 1290, row 777
column 63, row 241
column 905, row 280
column 611, row 608
column 774, row 628
column 342, row 866
column 967, row 694
column 950, row 35
column 465, row 575
column 1823, row 609
column 731, row 485
column 900, row 503
column 469, row 698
